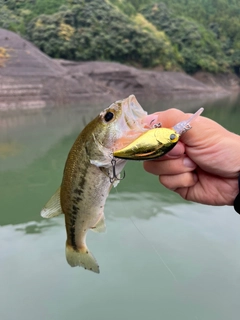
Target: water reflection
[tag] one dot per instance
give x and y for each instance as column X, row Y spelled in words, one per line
column 36, row 227
column 142, row 205
column 226, row 112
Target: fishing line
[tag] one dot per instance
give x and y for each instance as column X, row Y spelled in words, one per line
column 154, row 249
column 149, row 242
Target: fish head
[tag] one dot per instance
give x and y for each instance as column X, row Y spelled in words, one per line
column 122, row 118
column 114, row 128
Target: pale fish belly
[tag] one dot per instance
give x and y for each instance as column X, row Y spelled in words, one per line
column 85, row 211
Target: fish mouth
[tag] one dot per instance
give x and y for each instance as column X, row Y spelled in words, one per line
column 133, row 112
column 130, row 124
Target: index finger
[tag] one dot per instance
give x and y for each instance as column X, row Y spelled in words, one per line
column 167, row 118
column 203, row 129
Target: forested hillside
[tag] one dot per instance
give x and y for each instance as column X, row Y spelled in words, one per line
column 189, row 35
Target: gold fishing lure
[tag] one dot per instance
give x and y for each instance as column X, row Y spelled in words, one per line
column 155, row 142
column 150, row 145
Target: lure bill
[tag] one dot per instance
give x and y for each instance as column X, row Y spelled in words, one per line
column 184, row 126
column 155, row 142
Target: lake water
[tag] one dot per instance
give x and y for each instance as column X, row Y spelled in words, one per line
column 161, row 258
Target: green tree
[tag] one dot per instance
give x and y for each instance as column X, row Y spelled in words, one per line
column 97, row 31
column 199, row 47
column 195, row 34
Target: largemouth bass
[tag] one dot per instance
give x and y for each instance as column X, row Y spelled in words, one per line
column 90, row 171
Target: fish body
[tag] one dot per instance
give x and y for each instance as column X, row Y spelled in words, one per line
column 155, row 142
column 89, row 175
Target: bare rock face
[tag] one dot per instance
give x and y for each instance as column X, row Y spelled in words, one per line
column 229, row 82
column 128, row 79
column 30, row 79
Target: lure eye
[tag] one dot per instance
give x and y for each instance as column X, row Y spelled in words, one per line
column 172, row 136
column 108, row 116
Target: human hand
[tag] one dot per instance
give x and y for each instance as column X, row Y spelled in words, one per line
column 204, row 166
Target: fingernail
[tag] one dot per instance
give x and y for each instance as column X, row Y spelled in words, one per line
column 187, row 162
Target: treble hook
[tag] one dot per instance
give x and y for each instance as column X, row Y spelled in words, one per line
column 156, row 125
column 114, row 176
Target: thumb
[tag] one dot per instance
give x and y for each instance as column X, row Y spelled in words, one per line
column 176, row 152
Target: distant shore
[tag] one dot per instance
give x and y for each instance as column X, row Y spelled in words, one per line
column 29, row 79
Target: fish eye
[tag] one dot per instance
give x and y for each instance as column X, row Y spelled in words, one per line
column 172, row 136
column 108, row 116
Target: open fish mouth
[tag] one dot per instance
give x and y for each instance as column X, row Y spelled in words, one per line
column 133, row 112
column 130, row 124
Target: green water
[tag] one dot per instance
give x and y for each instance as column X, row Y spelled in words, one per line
column 161, row 258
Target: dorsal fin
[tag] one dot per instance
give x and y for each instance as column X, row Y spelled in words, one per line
column 53, row 207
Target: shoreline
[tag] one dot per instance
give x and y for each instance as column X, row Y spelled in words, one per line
column 30, row 80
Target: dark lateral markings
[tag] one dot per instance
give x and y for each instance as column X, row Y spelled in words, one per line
column 78, row 191
column 72, row 228
column 76, row 200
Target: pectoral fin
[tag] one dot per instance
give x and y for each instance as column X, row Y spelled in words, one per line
column 101, row 162
column 53, row 206
column 100, row 226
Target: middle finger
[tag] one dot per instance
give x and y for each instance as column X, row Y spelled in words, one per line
column 170, row 166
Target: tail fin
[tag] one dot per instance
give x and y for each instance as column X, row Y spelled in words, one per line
column 82, row 258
